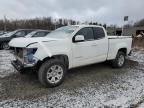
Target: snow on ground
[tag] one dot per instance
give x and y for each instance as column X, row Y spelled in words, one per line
column 141, row 106
column 137, row 55
column 122, row 90
column 5, row 63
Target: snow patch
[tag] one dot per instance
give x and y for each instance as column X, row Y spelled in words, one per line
column 5, row 63
column 141, row 106
column 137, row 55
column 125, row 90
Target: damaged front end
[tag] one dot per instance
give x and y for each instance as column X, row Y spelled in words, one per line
column 24, row 58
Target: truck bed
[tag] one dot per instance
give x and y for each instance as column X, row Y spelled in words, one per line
column 116, row 42
column 118, row 37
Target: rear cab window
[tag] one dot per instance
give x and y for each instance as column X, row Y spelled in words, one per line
column 92, row 33
column 98, row 32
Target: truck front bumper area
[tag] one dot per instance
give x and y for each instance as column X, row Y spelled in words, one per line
column 17, row 66
column 20, row 67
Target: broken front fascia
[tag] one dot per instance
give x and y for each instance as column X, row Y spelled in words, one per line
column 42, row 51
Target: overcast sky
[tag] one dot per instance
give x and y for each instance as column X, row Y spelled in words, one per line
column 103, row 11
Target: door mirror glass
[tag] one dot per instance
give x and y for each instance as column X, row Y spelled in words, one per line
column 79, row 38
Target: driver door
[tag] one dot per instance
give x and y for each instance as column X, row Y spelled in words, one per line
column 83, row 52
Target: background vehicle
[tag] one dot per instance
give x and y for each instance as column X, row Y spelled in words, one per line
column 69, row 47
column 4, row 39
column 38, row 33
column 2, row 33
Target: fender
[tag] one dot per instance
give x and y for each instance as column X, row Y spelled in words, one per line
column 49, row 49
column 42, row 50
column 113, row 52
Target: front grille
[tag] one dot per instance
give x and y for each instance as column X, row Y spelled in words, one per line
column 24, row 56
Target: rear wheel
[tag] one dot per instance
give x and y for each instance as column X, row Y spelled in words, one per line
column 119, row 61
column 52, row 73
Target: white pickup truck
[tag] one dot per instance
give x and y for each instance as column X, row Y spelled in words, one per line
column 68, row 47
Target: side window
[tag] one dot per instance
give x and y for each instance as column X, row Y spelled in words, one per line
column 20, row 34
column 87, row 33
column 98, row 32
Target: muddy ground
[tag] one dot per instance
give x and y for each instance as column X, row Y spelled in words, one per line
column 97, row 85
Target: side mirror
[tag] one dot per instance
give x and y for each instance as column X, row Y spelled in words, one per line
column 79, row 38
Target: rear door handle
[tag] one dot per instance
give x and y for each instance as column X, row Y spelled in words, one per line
column 94, row 45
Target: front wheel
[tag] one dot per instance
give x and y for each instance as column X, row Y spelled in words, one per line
column 119, row 61
column 52, row 73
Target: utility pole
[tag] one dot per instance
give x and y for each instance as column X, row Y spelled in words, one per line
column 55, row 23
column 5, row 25
column 126, row 18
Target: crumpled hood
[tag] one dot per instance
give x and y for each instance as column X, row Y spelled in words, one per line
column 23, row 42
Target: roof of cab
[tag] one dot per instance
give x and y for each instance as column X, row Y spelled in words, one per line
column 88, row 25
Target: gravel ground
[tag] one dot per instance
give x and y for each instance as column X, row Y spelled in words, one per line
column 93, row 86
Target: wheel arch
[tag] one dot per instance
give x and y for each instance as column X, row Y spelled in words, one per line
column 62, row 57
column 124, row 50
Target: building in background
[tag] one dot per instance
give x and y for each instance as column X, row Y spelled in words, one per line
column 135, row 31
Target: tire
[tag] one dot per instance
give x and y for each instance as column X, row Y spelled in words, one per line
column 119, row 61
column 52, row 73
column 0, row 46
column 5, row 46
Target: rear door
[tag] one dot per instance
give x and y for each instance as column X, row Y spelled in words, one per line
column 100, row 44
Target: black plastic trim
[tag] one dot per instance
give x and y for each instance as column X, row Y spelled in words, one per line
column 31, row 44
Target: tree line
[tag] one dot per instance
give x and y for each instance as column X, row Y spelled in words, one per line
column 139, row 23
column 47, row 23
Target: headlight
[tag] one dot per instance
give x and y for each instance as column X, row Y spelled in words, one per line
column 29, row 58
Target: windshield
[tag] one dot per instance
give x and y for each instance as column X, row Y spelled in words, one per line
column 62, row 32
column 30, row 34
